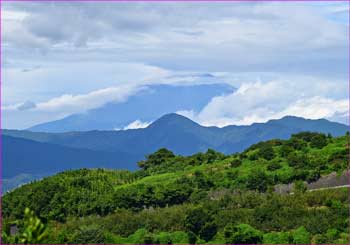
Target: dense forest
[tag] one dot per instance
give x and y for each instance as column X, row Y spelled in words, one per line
column 203, row 198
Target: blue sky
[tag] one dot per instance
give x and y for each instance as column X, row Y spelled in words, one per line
column 283, row 58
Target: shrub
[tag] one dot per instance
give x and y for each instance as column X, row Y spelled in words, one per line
column 258, row 180
column 318, row 141
column 236, row 163
column 157, row 158
column 242, row 234
column 266, row 152
column 277, row 238
column 301, row 236
column 273, row 165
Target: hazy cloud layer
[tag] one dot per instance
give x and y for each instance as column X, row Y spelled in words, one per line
column 259, row 102
column 61, row 58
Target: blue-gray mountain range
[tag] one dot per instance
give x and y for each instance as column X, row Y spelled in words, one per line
column 46, row 153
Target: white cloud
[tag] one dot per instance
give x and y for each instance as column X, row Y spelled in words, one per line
column 317, row 107
column 260, row 102
column 69, row 103
column 137, row 124
column 59, row 107
column 46, row 80
column 10, row 15
column 78, row 103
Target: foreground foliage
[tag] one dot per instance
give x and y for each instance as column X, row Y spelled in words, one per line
column 204, row 198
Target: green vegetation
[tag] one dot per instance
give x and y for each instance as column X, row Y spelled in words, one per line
column 204, row 198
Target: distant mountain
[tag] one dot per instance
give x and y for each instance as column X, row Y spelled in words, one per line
column 145, row 106
column 18, row 180
column 183, row 136
column 36, row 158
column 29, row 154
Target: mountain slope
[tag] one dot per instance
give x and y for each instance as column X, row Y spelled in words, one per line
column 183, row 136
column 31, row 157
column 145, row 106
column 46, row 153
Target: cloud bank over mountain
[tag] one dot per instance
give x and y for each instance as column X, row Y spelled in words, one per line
column 66, row 58
column 260, row 102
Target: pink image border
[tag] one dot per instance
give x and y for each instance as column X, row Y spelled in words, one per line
column 159, row 1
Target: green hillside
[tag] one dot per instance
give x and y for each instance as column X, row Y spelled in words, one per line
column 204, row 198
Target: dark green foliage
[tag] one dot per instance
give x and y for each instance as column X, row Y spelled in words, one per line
column 192, row 199
column 89, row 234
column 306, row 136
column 157, row 158
column 318, row 141
column 297, row 160
column 236, row 162
column 339, row 159
column 299, row 187
column 296, row 143
column 258, row 180
column 278, row 238
column 301, row 236
column 286, row 150
column 242, row 234
column 266, row 152
column 208, row 231
column 196, row 219
column 274, row 165
column 313, row 175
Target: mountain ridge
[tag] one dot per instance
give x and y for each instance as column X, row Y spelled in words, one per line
column 182, row 135
column 124, row 148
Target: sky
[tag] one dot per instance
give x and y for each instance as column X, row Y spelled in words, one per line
column 284, row 58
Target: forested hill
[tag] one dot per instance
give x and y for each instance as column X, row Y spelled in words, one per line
column 203, row 198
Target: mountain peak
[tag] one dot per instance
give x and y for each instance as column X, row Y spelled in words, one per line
column 173, row 119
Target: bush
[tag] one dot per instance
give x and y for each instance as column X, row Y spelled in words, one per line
column 285, row 150
column 163, row 238
column 179, row 237
column 201, row 223
column 208, row 231
column 89, row 234
column 236, row 163
column 299, row 187
column 318, row 141
column 273, row 165
column 301, row 236
column 307, row 136
column 242, row 234
column 297, row 144
column 157, row 158
column 277, row 238
column 195, row 220
column 258, row 180
column 313, row 175
column 297, row 160
column 266, row 152
column 141, row 236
